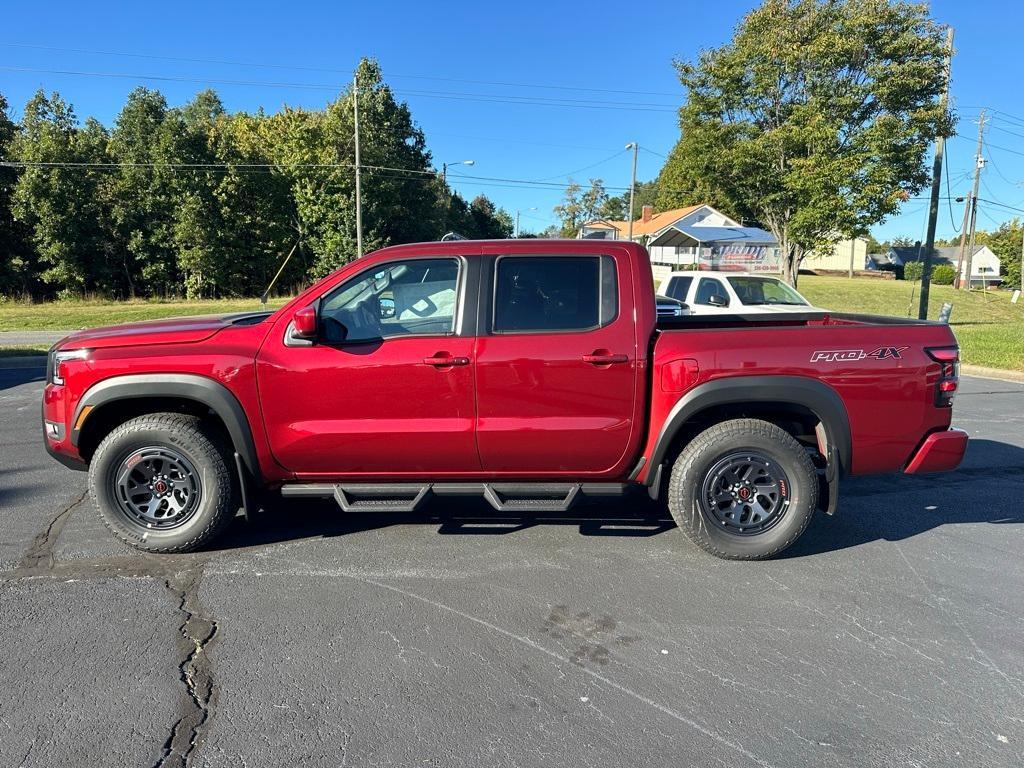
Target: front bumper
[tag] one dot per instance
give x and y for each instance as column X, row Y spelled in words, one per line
column 940, row 452
column 56, row 436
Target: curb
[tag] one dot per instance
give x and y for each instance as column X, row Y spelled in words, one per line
column 998, row 374
column 26, row 361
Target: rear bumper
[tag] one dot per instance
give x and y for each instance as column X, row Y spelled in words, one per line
column 940, row 452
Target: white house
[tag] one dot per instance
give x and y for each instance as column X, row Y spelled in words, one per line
column 695, row 235
column 985, row 266
column 845, row 255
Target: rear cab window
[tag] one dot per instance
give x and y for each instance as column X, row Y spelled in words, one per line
column 678, row 287
column 536, row 294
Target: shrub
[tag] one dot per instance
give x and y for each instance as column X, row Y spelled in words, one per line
column 943, row 274
column 912, row 271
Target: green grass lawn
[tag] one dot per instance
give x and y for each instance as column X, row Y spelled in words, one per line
column 989, row 328
column 73, row 315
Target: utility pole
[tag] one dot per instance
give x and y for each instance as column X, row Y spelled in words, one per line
column 515, row 232
column 933, row 207
column 632, row 185
column 359, row 180
column 963, row 239
column 979, row 163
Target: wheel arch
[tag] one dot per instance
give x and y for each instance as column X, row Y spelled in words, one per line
column 115, row 400
column 758, row 397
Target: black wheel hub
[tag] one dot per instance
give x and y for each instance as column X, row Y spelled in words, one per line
column 157, row 488
column 745, row 493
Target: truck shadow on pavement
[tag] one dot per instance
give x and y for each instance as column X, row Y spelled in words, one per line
column 292, row 520
column 13, row 377
column 986, row 489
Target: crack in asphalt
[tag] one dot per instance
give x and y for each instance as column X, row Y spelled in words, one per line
column 40, row 551
column 196, row 632
column 181, row 576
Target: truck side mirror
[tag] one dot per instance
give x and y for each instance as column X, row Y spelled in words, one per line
column 304, row 323
column 717, row 300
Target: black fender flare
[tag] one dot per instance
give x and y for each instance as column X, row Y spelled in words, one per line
column 819, row 398
column 187, row 386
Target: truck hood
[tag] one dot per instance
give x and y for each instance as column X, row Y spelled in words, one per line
column 176, row 330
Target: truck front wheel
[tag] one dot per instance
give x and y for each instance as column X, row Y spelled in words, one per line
column 743, row 490
column 161, row 483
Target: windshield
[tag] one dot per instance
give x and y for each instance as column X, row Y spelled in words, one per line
column 765, row 290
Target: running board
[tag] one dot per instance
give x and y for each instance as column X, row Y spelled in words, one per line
column 408, row 497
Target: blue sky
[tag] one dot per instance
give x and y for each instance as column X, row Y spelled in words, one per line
column 602, row 54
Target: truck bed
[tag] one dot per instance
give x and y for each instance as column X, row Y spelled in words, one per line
column 878, row 366
column 789, row 319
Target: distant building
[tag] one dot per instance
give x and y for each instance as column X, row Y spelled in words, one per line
column 843, row 256
column 985, row 265
column 697, row 235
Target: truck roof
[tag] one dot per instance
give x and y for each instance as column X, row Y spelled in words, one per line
column 553, row 247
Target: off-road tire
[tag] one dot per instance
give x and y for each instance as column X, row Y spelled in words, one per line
column 696, row 461
column 203, row 448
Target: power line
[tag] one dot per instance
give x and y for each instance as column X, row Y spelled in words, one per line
column 277, row 167
column 949, row 202
column 448, row 95
column 584, row 168
column 1001, row 205
column 300, row 68
column 996, row 167
column 651, row 151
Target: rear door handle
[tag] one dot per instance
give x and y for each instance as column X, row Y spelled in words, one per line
column 444, row 360
column 605, row 359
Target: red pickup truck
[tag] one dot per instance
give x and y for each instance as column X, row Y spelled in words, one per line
column 533, row 373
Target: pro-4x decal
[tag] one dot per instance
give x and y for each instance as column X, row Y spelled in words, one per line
column 852, row 355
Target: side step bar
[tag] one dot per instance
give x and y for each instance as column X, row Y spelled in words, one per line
column 408, row 497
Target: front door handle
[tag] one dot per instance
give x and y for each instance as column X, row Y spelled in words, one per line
column 600, row 357
column 444, row 360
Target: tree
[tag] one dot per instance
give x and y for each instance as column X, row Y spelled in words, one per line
column 59, row 196
column 1005, row 243
column 17, row 267
column 580, row 206
column 815, row 120
column 142, row 199
column 489, row 221
column 401, row 196
column 617, row 208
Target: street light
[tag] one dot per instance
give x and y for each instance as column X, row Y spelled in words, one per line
column 444, row 167
column 515, row 233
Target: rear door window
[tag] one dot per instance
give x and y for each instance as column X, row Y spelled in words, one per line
column 554, row 293
column 678, row 287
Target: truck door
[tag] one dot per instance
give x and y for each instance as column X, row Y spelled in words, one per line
column 387, row 387
column 556, row 365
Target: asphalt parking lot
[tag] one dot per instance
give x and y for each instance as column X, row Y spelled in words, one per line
column 890, row 635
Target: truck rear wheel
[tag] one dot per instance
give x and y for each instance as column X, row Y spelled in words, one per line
column 743, row 490
column 161, row 483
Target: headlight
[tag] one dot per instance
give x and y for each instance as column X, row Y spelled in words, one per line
column 59, row 358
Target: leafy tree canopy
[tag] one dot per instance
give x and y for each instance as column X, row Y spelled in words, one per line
column 815, row 120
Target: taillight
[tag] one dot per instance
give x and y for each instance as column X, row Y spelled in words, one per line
column 948, row 359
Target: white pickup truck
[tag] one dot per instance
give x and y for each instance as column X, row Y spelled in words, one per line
column 708, row 293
